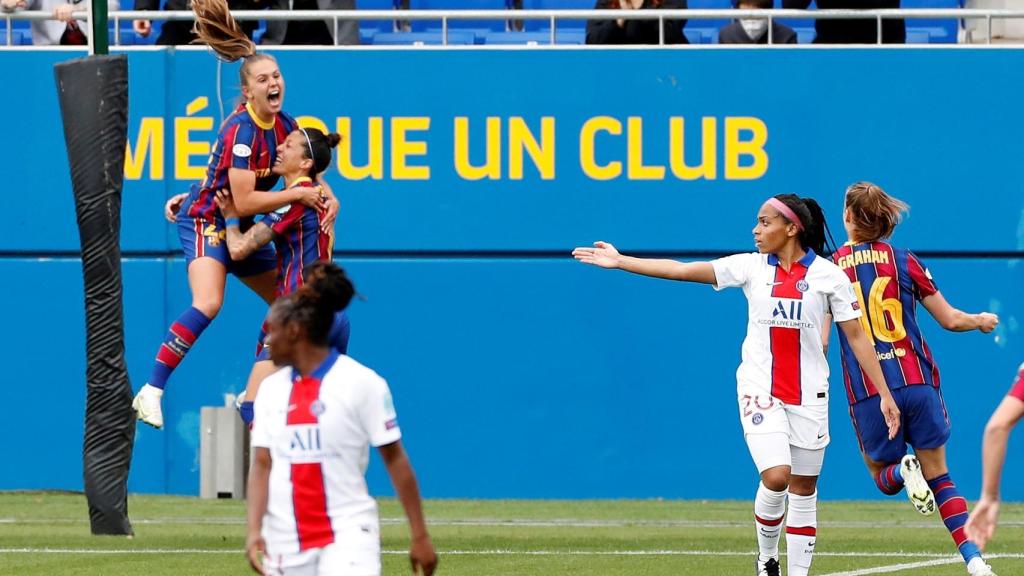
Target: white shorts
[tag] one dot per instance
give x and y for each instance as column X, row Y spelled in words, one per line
column 356, row 553
column 778, row 434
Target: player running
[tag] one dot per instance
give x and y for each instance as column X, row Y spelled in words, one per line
column 241, row 160
column 981, row 526
column 782, row 381
column 309, row 512
column 888, row 282
column 296, row 233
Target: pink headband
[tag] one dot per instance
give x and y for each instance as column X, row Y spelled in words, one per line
column 785, row 211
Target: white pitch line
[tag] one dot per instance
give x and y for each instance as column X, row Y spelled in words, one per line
column 939, row 558
column 896, row 567
column 525, row 522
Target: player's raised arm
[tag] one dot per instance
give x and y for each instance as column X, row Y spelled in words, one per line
column 241, row 245
column 249, row 201
column 604, row 255
column 956, row 320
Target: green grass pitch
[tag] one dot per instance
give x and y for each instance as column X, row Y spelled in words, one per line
column 46, row 533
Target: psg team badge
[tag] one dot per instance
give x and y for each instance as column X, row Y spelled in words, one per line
column 757, row 419
column 316, row 408
column 802, row 285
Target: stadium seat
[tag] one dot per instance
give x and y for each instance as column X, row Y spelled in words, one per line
column 460, row 37
column 478, row 27
column 541, row 25
column 540, row 38
column 937, row 31
column 367, row 28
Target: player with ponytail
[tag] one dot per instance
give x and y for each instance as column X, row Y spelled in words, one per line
column 308, row 508
column 782, row 382
column 889, row 282
column 241, row 160
column 296, row 231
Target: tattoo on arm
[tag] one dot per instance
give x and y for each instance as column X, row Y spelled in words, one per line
column 242, row 245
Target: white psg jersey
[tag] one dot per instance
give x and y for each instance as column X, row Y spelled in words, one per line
column 319, row 429
column 782, row 353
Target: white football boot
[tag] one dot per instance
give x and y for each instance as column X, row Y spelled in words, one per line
column 918, row 491
column 147, row 406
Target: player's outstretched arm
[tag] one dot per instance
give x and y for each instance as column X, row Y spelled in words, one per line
column 421, row 550
column 956, row 320
column 241, row 245
column 604, row 255
column 865, row 353
column 249, row 201
column 981, row 526
column 259, row 490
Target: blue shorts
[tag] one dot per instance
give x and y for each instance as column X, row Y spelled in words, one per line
column 337, row 339
column 201, row 237
column 924, row 423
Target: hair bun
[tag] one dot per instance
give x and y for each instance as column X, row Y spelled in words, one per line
column 333, row 139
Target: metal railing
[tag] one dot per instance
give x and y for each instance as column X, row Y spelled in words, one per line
column 550, row 16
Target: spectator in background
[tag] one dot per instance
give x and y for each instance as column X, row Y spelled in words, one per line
column 63, row 29
column 311, row 32
column 894, row 31
column 624, row 31
column 176, row 32
column 755, row 30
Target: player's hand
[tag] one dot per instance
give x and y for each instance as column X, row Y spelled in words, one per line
column 422, row 556
column 891, row 413
column 11, row 5
column 64, row 12
column 255, row 548
column 987, row 322
column 981, row 526
column 226, row 203
column 333, row 206
column 173, row 206
column 602, row 254
column 311, row 196
column 142, row 27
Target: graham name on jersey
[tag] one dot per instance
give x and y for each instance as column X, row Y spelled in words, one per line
column 863, row 257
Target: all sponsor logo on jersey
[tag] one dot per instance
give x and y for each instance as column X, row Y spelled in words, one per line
column 787, row 314
column 304, row 444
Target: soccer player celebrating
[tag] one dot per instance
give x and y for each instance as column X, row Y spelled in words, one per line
column 241, row 160
column 296, row 231
column 981, row 526
column 888, row 282
column 308, row 508
column 782, row 381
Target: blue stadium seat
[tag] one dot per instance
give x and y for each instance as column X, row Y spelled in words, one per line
column 538, row 38
column 479, row 27
column 541, row 25
column 367, row 28
column 937, row 31
column 804, row 27
column 422, row 38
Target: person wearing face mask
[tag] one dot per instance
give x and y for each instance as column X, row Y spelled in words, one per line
column 755, row 30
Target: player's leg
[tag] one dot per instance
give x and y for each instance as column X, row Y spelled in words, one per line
column 207, row 259
column 887, row 460
column 765, row 428
column 809, row 436
column 259, row 272
column 928, row 432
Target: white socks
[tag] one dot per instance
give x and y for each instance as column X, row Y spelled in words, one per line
column 801, row 533
column 769, row 508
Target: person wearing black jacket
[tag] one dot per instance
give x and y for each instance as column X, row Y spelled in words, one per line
column 894, row 31
column 624, row 31
column 176, row 32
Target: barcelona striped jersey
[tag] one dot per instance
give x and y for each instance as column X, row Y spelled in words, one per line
column 888, row 282
column 244, row 142
column 298, row 240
